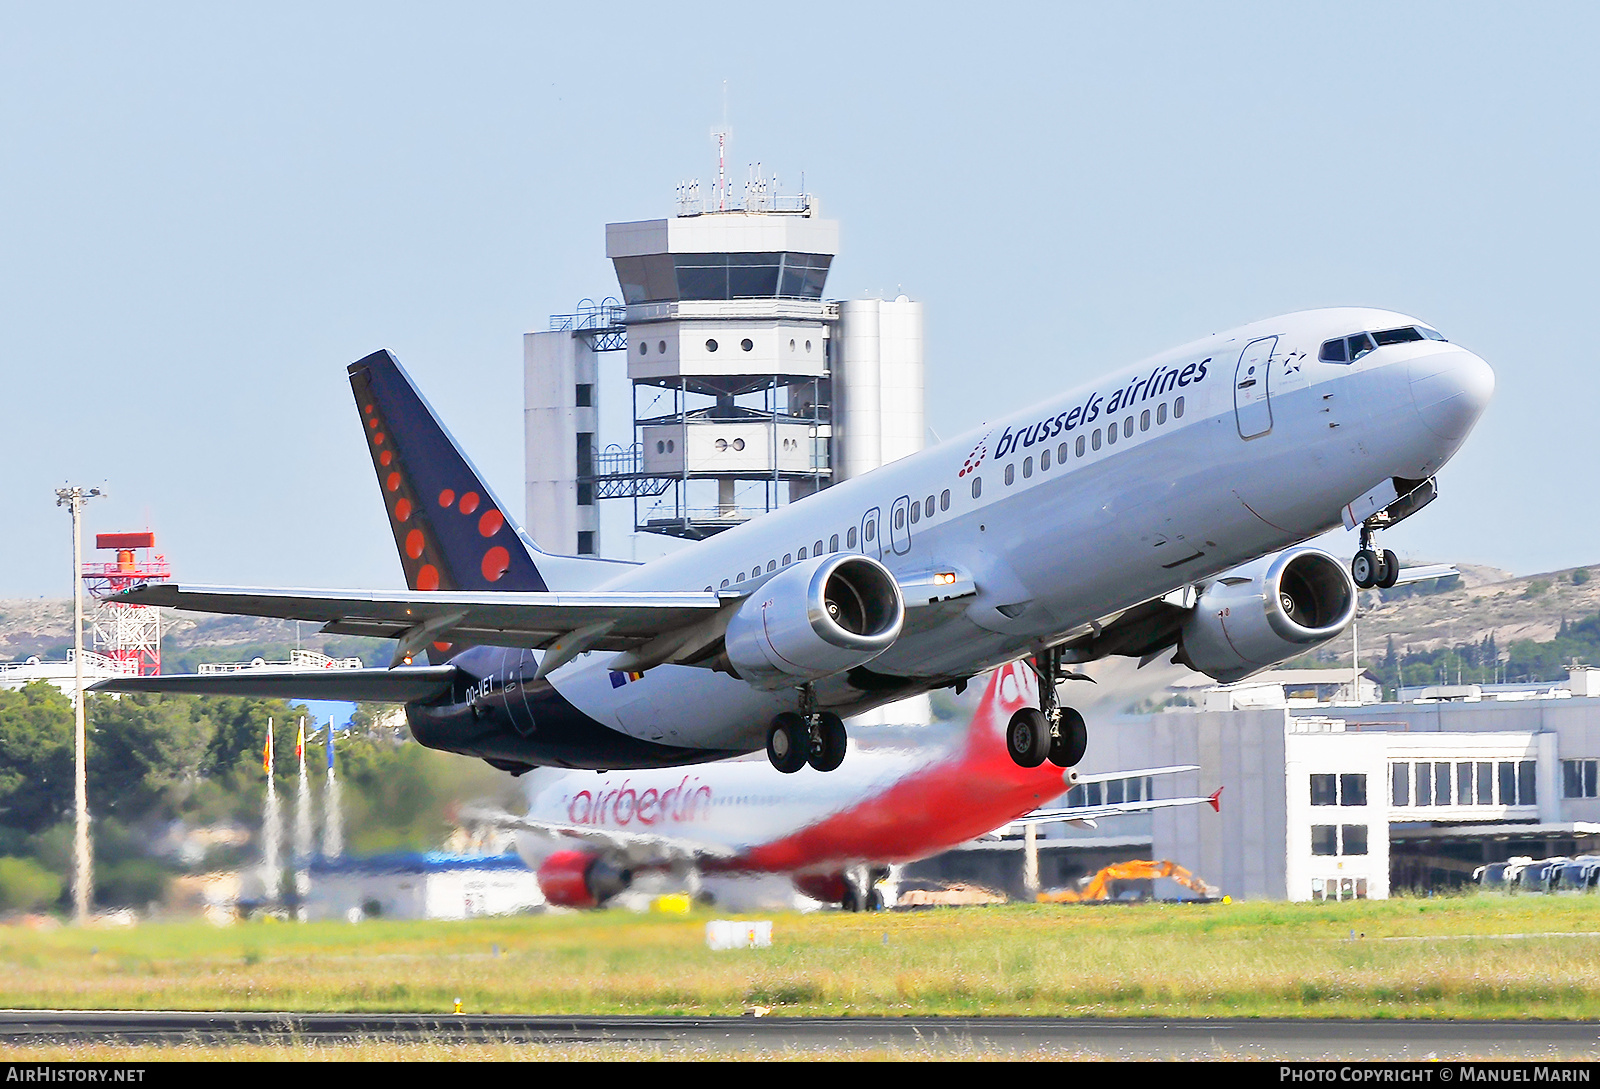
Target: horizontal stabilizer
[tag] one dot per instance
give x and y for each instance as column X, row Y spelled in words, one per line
column 361, row 685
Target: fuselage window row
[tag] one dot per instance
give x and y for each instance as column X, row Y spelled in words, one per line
column 1111, row 435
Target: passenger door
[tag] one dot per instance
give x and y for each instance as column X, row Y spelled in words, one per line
column 871, row 539
column 1252, row 394
column 900, row 526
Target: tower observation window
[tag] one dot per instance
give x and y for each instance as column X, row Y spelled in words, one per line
column 749, row 275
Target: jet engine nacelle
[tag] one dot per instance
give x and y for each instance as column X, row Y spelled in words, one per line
column 1268, row 611
column 818, row 618
column 578, row 879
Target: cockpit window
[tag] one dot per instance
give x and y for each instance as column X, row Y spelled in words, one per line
column 1351, row 348
column 1396, row 336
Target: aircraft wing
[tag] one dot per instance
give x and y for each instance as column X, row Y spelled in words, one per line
column 567, row 623
column 371, row 685
column 633, row 848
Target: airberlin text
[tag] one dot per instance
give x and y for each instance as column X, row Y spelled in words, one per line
column 1157, row 383
column 622, row 805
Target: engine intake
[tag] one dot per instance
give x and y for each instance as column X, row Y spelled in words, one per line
column 579, row 879
column 1266, row 612
column 819, row 617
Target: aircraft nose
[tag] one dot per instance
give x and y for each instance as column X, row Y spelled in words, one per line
column 1451, row 389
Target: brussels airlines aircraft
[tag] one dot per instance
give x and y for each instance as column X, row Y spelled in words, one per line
column 835, row 836
column 1159, row 508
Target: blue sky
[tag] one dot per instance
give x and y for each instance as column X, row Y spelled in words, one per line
column 209, row 210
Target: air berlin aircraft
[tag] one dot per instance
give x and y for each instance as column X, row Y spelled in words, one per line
column 836, row 836
column 1161, row 509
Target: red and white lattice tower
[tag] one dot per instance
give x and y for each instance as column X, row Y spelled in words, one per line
column 130, row 635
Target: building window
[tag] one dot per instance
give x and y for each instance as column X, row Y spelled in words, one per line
column 1578, row 778
column 586, row 542
column 585, row 393
column 1347, row 789
column 1324, row 790
column 1338, row 839
column 1400, row 784
column 585, row 493
column 1352, row 789
column 1464, row 783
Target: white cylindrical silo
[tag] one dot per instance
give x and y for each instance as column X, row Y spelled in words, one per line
column 857, row 391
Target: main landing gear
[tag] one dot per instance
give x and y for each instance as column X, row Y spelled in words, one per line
column 811, row 737
column 1371, row 567
column 1048, row 732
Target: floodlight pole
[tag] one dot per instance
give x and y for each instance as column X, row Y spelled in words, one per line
column 73, row 498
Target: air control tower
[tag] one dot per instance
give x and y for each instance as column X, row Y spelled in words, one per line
column 750, row 389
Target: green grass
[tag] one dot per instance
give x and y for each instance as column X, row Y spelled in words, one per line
column 1468, row 957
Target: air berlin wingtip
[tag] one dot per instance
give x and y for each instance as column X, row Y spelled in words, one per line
column 1216, row 800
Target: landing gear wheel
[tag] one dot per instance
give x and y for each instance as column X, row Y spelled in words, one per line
column 827, row 750
column 1364, row 569
column 1071, row 740
column 1028, row 737
column 787, row 742
column 1389, row 569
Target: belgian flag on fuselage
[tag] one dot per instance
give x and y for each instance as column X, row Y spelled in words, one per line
column 450, row 529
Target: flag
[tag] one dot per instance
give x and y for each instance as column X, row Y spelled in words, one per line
column 330, row 743
column 266, row 754
column 300, row 741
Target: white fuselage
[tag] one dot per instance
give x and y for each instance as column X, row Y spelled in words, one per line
column 1254, row 463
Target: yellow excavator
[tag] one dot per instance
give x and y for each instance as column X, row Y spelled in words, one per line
column 1098, row 887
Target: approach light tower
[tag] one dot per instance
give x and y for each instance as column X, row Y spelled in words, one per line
column 750, row 390
column 130, row 635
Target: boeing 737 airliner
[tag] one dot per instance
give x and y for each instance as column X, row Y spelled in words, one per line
column 836, row 837
column 1161, row 508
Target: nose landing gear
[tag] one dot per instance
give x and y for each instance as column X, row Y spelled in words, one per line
column 811, row 737
column 1371, row 567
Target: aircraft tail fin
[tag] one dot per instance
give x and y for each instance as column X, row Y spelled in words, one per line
column 452, row 532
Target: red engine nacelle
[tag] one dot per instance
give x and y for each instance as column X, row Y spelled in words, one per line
column 578, row 879
column 830, row 888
